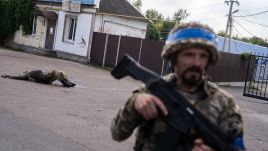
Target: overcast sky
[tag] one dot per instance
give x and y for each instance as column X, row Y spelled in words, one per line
column 213, row 13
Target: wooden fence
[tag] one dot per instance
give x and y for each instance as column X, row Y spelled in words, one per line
column 107, row 50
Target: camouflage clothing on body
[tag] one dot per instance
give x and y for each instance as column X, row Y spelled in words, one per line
column 40, row 76
column 217, row 105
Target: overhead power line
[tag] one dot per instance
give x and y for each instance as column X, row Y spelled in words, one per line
column 239, row 40
column 253, row 22
column 238, row 31
column 253, row 14
column 244, row 28
column 248, row 12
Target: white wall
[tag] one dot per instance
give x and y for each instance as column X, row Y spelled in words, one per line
column 82, row 31
column 36, row 40
column 120, row 26
column 239, row 47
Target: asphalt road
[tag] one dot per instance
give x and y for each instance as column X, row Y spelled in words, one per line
column 49, row 117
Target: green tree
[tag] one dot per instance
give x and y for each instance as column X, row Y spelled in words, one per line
column 221, row 33
column 258, row 41
column 164, row 26
column 235, row 37
column 179, row 16
column 14, row 14
column 245, row 39
column 253, row 40
column 154, row 15
column 167, row 26
column 152, row 32
column 137, row 4
column 156, row 18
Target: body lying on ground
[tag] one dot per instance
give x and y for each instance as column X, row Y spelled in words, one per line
column 42, row 77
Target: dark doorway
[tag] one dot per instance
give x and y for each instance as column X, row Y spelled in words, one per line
column 51, row 25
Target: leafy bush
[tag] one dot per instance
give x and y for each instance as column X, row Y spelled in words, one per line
column 14, row 14
column 152, row 32
column 245, row 56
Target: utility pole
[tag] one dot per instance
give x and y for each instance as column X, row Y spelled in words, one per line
column 229, row 25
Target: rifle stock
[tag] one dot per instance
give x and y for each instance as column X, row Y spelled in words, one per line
column 128, row 67
column 182, row 114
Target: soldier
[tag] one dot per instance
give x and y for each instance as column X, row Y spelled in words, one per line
column 42, row 77
column 191, row 48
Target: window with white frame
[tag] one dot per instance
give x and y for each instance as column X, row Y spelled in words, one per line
column 70, row 28
column 34, row 20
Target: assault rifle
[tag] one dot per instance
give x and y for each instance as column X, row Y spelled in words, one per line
column 182, row 115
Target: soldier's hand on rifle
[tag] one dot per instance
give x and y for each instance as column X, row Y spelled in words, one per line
column 200, row 146
column 147, row 104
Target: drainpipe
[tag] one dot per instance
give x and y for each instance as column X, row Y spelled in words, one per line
column 91, row 35
column 140, row 50
column 105, row 50
column 162, row 70
column 118, row 49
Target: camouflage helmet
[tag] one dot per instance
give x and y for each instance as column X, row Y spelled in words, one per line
column 62, row 75
column 188, row 35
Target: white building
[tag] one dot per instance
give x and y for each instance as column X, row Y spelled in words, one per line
column 118, row 17
column 67, row 26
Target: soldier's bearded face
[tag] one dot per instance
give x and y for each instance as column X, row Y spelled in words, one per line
column 191, row 64
column 192, row 75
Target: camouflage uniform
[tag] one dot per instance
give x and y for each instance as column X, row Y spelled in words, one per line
column 216, row 104
column 40, row 76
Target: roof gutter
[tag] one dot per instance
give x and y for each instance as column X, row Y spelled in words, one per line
column 125, row 16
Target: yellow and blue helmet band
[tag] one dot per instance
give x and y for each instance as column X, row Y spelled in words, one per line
column 192, row 33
